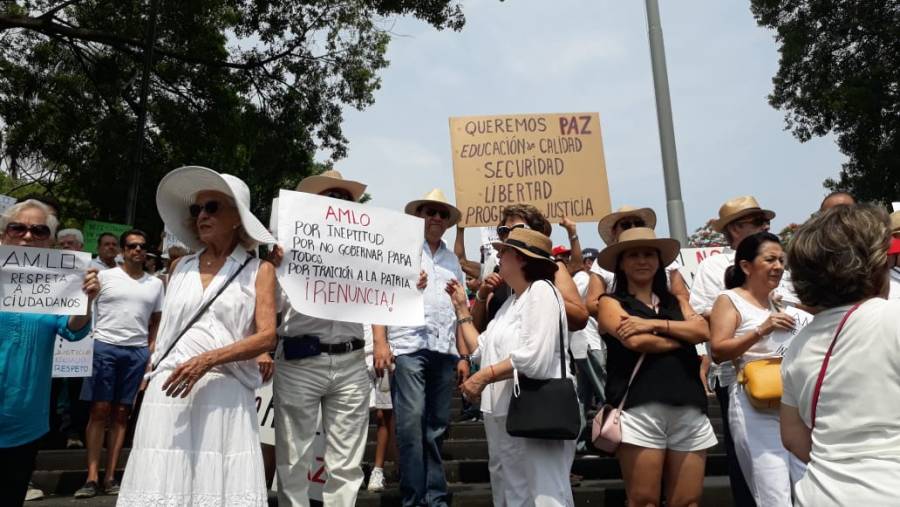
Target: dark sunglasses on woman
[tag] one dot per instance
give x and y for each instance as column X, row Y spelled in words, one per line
column 210, row 207
column 18, row 230
column 503, row 231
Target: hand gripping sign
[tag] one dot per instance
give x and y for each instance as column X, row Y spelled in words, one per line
column 350, row 262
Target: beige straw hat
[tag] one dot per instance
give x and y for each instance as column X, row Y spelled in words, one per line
column 436, row 196
column 738, row 208
column 607, row 223
column 635, row 238
column 895, row 222
column 532, row 244
column 330, row 179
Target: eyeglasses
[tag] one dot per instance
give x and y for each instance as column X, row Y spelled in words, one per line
column 19, row 230
column 134, row 246
column 430, row 212
column 503, row 231
column 628, row 224
column 338, row 194
column 755, row 221
column 210, row 207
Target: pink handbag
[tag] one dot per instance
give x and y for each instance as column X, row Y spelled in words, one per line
column 606, row 433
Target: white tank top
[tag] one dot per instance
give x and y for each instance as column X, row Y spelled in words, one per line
column 753, row 316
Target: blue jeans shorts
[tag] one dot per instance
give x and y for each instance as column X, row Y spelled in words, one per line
column 117, row 373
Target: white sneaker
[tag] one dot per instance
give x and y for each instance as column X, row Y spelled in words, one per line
column 376, row 480
column 33, row 493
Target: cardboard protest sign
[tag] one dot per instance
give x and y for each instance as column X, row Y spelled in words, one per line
column 93, row 229
column 782, row 337
column 348, row 261
column 552, row 161
column 73, row 359
column 42, row 280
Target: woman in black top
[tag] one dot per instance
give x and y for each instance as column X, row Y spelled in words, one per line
column 665, row 431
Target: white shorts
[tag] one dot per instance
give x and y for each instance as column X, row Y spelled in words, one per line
column 381, row 394
column 658, row 426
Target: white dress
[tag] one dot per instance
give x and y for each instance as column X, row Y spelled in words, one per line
column 202, row 450
column 525, row 472
column 770, row 470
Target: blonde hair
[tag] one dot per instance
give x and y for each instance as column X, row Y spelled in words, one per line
column 11, row 212
column 840, row 256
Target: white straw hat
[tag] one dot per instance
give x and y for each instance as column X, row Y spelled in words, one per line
column 177, row 190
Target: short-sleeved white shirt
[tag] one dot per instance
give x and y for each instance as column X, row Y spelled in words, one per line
column 589, row 337
column 857, row 432
column 124, row 307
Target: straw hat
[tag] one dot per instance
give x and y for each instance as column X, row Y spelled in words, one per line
column 737, row 208
column 330, row 179
column 436, row 196
column 895, row 222
column 532, row 244
column 177, row 190
column 637, row 237
column 606, row 224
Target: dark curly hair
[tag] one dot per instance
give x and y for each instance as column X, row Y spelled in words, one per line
column 839, row 256
column 531, row 215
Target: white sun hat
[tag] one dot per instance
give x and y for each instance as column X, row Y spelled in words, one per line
column 177, row 190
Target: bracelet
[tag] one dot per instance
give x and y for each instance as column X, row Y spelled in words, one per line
column 465, row 357
column 668, row 331
column 759, row 331
column 463, row 320
column 573, row 237
column 478, row 298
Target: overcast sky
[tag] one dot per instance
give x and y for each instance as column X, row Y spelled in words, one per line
column 537, row 56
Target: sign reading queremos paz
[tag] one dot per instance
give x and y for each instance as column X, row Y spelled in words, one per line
column 349, row 261
column 552, row 161
column 42, row 280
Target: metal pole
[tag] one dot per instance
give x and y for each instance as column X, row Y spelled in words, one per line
column 131, row 203
column 674, row 204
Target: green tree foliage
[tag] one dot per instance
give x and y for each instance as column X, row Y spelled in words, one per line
column 252, row 88
column 840, row 72
column 705, row 237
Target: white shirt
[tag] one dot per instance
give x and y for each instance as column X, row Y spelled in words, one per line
column 439, row 332
column 752, row 316
column 589, row 337
column 100, row 265
column 856, row 441
column 229, row 319
column 296, row 324
column 526, row 331
column 609, row 278
column 124, row 307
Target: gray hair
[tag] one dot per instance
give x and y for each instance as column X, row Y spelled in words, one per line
column 839, row 256
column 75, row 233
column 13, row 211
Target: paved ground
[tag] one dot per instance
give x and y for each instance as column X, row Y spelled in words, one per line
column 68, row 501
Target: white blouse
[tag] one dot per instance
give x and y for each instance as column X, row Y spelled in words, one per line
column 229, row 319
column 526, row 331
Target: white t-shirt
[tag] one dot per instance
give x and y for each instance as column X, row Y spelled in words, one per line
column 609, row 277
column 589, row 337
column 856, row 441
column 124, row 307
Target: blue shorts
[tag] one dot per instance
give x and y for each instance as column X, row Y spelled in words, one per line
column 117, row 374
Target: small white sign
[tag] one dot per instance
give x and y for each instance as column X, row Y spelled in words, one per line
column 73, row 359
column 349, row 261
column 42, row 280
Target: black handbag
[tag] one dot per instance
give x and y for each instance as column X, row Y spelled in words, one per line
column 546, row 408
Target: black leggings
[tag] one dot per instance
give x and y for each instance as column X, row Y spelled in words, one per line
column 16, row 465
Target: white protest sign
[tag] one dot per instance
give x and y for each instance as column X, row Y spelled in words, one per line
column 782, row 337
column 42, row 280
column 170, row 240
column 5, row 202
column 273, row 219
column 895, row 206
column 690, row 258
column 265, row 414
column 489, row 257
column 350, row 262
column 73, row 359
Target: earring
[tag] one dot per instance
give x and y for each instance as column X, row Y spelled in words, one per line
column 236, row 227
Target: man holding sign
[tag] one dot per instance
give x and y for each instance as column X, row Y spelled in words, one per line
column 426, row 358
column 44, row 293
column 320, row 364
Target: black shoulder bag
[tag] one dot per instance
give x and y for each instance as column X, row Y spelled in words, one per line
column 546, row 408
column 202, row 310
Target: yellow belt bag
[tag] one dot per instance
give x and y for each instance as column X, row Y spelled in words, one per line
column 762, row 382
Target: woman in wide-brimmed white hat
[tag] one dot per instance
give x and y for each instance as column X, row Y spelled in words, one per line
column 197, row 438
column 665, row 430
column 523, row 337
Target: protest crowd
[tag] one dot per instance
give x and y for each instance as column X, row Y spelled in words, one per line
column 554, row 348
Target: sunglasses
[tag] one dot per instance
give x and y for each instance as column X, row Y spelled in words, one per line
column 503, row 231
column 430, row 212
column 338, row 194
column 210, row 207
column 19, row 230
column 628, row 224
column 134, row 246
column 755, row 221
